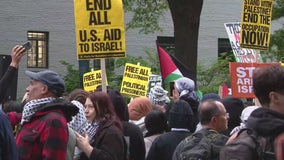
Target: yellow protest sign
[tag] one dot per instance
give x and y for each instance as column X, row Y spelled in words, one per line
column 91, row 80
column 256, row 24
column 99, row 29
column 135, row 80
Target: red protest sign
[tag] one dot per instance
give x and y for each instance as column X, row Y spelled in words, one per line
column 241, row 78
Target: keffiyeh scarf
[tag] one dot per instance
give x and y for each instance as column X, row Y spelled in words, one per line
column 32, row 107
column 91, row 129
column 79, row 121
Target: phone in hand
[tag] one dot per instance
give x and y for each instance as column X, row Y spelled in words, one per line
column 27, row 45
column 172, row 86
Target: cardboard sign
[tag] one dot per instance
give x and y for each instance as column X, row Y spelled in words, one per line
column 256, row 24
column 92, row 80
column 135, row 80
column 99, row 29
column 153, row 81
column 241, row 78
column 241, row 54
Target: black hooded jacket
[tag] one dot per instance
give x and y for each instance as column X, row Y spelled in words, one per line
column 266, row 122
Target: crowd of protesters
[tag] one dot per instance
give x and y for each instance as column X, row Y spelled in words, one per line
column 81, row 125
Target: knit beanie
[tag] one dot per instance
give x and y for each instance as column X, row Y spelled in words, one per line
column 158, row 95
column 139, row 107
column 181, row 115
column 211, row 96
column 184, row 85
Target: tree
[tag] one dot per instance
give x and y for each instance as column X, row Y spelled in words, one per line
column 186, row 19
column 276, row 48
column 210, row 78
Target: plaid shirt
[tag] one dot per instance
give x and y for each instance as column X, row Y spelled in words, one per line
column 44, row 137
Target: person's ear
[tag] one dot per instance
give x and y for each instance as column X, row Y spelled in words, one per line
column 44, row 89
column 214, row 120
column 274, row 97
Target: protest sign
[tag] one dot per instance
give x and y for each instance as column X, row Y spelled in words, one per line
column 153, row 81
column 91, row 80
column 241, row 78
column 99, row 29
column 256, row 23
column 241, row 54
column 135, row 80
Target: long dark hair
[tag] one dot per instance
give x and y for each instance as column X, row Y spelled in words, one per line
column 104, row 109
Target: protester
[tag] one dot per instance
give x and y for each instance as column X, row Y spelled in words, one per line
column 184, row 90
column 44, row 133
column 8, row 146
column 106, row 140
column 234, row 107
column 244, row 117
column 12, row 106
column 156, row 124
column 205, row 97
column 158, row 97
column 213, row 119
column 132, row 132
column 265, row 123
column 138, row 108
column 180, row 121
column 78, row 123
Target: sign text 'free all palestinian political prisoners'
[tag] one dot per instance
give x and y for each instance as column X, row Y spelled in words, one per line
column 135, row 80
column 241, row 78
column 256, row 23
column 91, row 80
column 99, row 29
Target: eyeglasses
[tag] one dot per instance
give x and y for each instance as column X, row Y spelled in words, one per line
column 227, row 115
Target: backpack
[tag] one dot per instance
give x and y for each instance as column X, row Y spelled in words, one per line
column 197, row 146
column 247, row 145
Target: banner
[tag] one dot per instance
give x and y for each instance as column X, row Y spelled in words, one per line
column 256, row 23
column 241, row 78
column 241, row 54
column 99, row 29
column 135, row 80
column 92, row 80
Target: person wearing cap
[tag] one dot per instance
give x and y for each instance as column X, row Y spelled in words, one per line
column 8, row 146
column 44, row 133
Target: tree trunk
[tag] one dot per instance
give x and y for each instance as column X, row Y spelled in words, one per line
column 186, row 19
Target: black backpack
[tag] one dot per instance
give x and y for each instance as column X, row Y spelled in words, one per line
column 248, row 145
column 197, row 146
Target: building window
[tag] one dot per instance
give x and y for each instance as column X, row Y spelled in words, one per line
column 38, row 54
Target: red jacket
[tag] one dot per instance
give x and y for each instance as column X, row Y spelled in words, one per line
column 46, row 135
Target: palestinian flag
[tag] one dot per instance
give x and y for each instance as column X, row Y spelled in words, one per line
column 169, row 70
